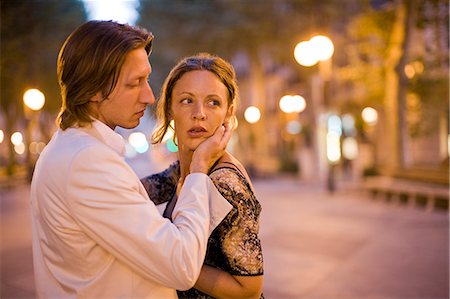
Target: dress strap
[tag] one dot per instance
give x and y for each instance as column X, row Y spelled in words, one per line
column 230, row 165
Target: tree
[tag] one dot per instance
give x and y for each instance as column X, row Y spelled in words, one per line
column 32, row 33
column 398, row 63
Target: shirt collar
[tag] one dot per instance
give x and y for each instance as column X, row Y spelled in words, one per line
column 109, row 137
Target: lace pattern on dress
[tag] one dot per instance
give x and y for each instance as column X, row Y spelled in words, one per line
column 234, row 246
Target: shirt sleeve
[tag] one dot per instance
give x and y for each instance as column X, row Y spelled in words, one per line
column 107, row 201
column 239, row 232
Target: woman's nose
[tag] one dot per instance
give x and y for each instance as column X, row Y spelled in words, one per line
column 199, row 113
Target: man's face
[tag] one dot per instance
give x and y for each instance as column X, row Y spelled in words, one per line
column 126, row 104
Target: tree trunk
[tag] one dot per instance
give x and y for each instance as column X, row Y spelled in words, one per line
column 396, row 131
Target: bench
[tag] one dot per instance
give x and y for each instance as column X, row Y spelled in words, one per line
column 411, row 193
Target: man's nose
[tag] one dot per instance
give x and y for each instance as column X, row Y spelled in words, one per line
column 147, row 95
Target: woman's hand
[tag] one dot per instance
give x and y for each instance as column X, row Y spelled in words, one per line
column 210, row 150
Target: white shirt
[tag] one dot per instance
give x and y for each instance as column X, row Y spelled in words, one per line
column 96, row 234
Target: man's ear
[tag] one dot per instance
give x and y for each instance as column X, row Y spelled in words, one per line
column 98, row 97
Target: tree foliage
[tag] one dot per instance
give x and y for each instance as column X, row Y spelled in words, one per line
column 32, row 33
column 227, row 27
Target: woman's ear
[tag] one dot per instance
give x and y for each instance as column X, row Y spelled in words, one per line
column 230, row 112
column 231, row 117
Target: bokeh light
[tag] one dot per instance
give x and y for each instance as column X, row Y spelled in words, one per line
column 304, row 54
column 322, row 46
column 252, row 114
column 294, row 127
column 19, row 148
column 292, row 104
column 333, row 147
column 34, row 99
column 138, row 141
column 370, row 115
column 16, row 138
column 171, row 146
column 350, row 148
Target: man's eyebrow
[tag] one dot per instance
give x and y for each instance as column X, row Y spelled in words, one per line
column 139, row 77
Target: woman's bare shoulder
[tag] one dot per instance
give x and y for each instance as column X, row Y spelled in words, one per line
column 228, row 159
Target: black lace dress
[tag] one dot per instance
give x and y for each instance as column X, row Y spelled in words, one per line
column 234, row 245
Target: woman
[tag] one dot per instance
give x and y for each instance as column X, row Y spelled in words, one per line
column 199, row 95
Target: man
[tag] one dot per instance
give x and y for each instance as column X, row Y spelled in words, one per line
column 96, row 234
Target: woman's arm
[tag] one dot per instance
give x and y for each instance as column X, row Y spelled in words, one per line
column 221, row 284
column 239, row 241
column 161, row 186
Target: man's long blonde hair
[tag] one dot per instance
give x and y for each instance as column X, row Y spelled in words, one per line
column 90, row 61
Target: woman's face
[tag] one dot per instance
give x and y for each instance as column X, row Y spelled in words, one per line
column 199, row 107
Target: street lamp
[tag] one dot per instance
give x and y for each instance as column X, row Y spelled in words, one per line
column 319, row 50
column 370, row 118
column 292, row 106
column 33, row 100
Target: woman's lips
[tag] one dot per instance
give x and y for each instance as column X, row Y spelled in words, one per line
column 197, row 132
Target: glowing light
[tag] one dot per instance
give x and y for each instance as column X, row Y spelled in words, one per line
column 16, row 138
column 350, row 148
column 138, row 141
column 171, row 146
column 2, row 136
column 410, row 72
column 318, row 48
column 418, row 67
column 294, row 127
column 348, row 124
column 34, row 99
column 304, row 54
column 117, row 10
column 19, row 148
column 333, row 147
column 252, row 114
column 37, row 147
column 370, row 115
column 292, row 104
column 322, row 46
column 334, row 124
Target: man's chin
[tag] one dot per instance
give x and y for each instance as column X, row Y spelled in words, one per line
column 130, row 125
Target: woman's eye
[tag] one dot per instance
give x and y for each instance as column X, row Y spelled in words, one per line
column 214, row 103
column 186, row 101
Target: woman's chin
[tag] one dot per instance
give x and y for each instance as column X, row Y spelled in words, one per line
column 192, row 145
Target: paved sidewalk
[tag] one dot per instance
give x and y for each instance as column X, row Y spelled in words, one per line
column 315, row 246
column 347, row 246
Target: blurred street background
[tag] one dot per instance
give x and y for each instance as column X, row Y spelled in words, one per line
column 315, row 245
column 343, row 125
